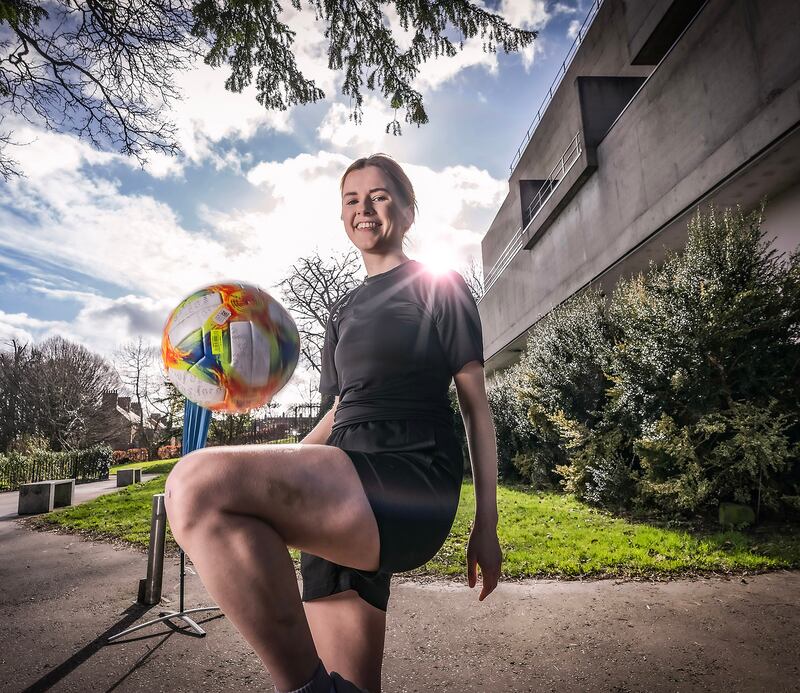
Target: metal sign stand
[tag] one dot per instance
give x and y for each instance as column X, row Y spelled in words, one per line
column 195, row 429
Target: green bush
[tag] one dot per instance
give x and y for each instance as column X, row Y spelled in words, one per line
column 563, row 383
column 513, row 430
column 707, row 369
column 682, row 392
column 736, row 455
column 89, row 464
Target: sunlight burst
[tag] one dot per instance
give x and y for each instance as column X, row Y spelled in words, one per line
column 436, row 262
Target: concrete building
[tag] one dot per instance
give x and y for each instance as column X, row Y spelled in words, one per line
column 661, row 106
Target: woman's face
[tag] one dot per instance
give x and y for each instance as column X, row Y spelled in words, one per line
column 369, row 195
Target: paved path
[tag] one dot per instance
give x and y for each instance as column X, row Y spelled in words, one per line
column 62, row 596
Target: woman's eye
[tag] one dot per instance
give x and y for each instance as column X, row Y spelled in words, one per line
column 374, row 199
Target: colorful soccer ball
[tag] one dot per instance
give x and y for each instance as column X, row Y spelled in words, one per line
column 230, row 347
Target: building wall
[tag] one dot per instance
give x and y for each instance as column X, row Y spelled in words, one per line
column 603, row 52
column 699, row 130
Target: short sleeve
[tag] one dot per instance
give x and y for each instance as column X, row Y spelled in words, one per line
column 457, row 321
column 329, row 378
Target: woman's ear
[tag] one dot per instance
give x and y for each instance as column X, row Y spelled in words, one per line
column 408, row 210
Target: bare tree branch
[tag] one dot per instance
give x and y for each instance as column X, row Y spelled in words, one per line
column 309, row 290
column 104, row 69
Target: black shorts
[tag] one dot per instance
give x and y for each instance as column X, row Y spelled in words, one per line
column 411, row 471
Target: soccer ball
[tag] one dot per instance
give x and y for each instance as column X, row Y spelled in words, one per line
column 230, row 347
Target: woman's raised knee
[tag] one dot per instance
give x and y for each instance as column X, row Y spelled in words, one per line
column 188, row 491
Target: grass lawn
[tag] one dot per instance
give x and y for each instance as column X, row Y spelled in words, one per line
column 152, row 467
column 542, row 534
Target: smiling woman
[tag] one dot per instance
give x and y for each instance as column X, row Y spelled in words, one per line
column 374, row 488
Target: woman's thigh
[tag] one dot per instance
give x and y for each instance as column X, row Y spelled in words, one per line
column 310, row 494
column 349, row 635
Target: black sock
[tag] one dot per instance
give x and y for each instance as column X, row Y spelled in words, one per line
column 320, row 682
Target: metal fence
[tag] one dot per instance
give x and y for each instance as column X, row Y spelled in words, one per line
column 16, row 470
column 290, row 427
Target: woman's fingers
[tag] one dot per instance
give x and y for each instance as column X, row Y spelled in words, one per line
column 489, row 580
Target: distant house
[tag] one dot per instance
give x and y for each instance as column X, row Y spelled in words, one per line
column 122, row 423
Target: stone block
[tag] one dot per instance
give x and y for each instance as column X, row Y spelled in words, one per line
column 63, row 492
column 126, row 477
column 43, row 496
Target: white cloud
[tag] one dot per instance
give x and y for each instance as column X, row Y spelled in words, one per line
column 207, row 114
column 572, row 29
column 446, row 199
column 531, row 15
column 101, row 324
column 87, row 224
column 84, row 223
column 437, row 71
column 19, row 326
column 525, row 14
column 43, row 152
column 563, row 8
column 401, row 36
column 310, row 49
column 370, row 135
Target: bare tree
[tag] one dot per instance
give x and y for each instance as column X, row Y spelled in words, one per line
column 101, row 70
column 17, row 361
column 167, row 402
column 136, row 363
column 473, row 276
column 310, row 289
column 105, row 70
column 64, row 392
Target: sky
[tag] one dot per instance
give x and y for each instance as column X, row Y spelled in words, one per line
column 97, row 249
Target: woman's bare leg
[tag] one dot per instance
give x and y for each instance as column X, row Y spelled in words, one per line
column 234, row 510
column 349, row 634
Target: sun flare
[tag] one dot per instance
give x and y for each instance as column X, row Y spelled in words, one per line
column 436, row 262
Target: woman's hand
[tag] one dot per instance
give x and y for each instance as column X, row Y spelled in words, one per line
column 483, row 549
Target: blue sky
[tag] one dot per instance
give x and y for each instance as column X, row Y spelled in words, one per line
column 99, row 251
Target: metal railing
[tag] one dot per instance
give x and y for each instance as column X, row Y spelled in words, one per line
column 292, row 426
column 573, row 49
column 571, row 154
column 568, row 158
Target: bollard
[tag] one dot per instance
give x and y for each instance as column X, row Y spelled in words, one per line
column 150, row 587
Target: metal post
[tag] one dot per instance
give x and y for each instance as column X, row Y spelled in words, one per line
column 150, row 587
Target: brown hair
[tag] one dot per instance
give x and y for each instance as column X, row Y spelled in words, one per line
column 395, row 173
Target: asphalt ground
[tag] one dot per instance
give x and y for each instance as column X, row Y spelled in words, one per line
column 63, row 595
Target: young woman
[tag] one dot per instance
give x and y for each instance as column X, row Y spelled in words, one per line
column 373, row 489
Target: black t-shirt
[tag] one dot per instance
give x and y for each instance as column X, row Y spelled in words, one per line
column 393, row 344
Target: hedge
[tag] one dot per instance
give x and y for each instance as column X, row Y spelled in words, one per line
column 91, row 464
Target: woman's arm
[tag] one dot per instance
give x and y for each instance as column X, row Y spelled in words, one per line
column 322, row 431
column 484, row 547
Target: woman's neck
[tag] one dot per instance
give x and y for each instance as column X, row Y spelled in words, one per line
column 383, row 263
